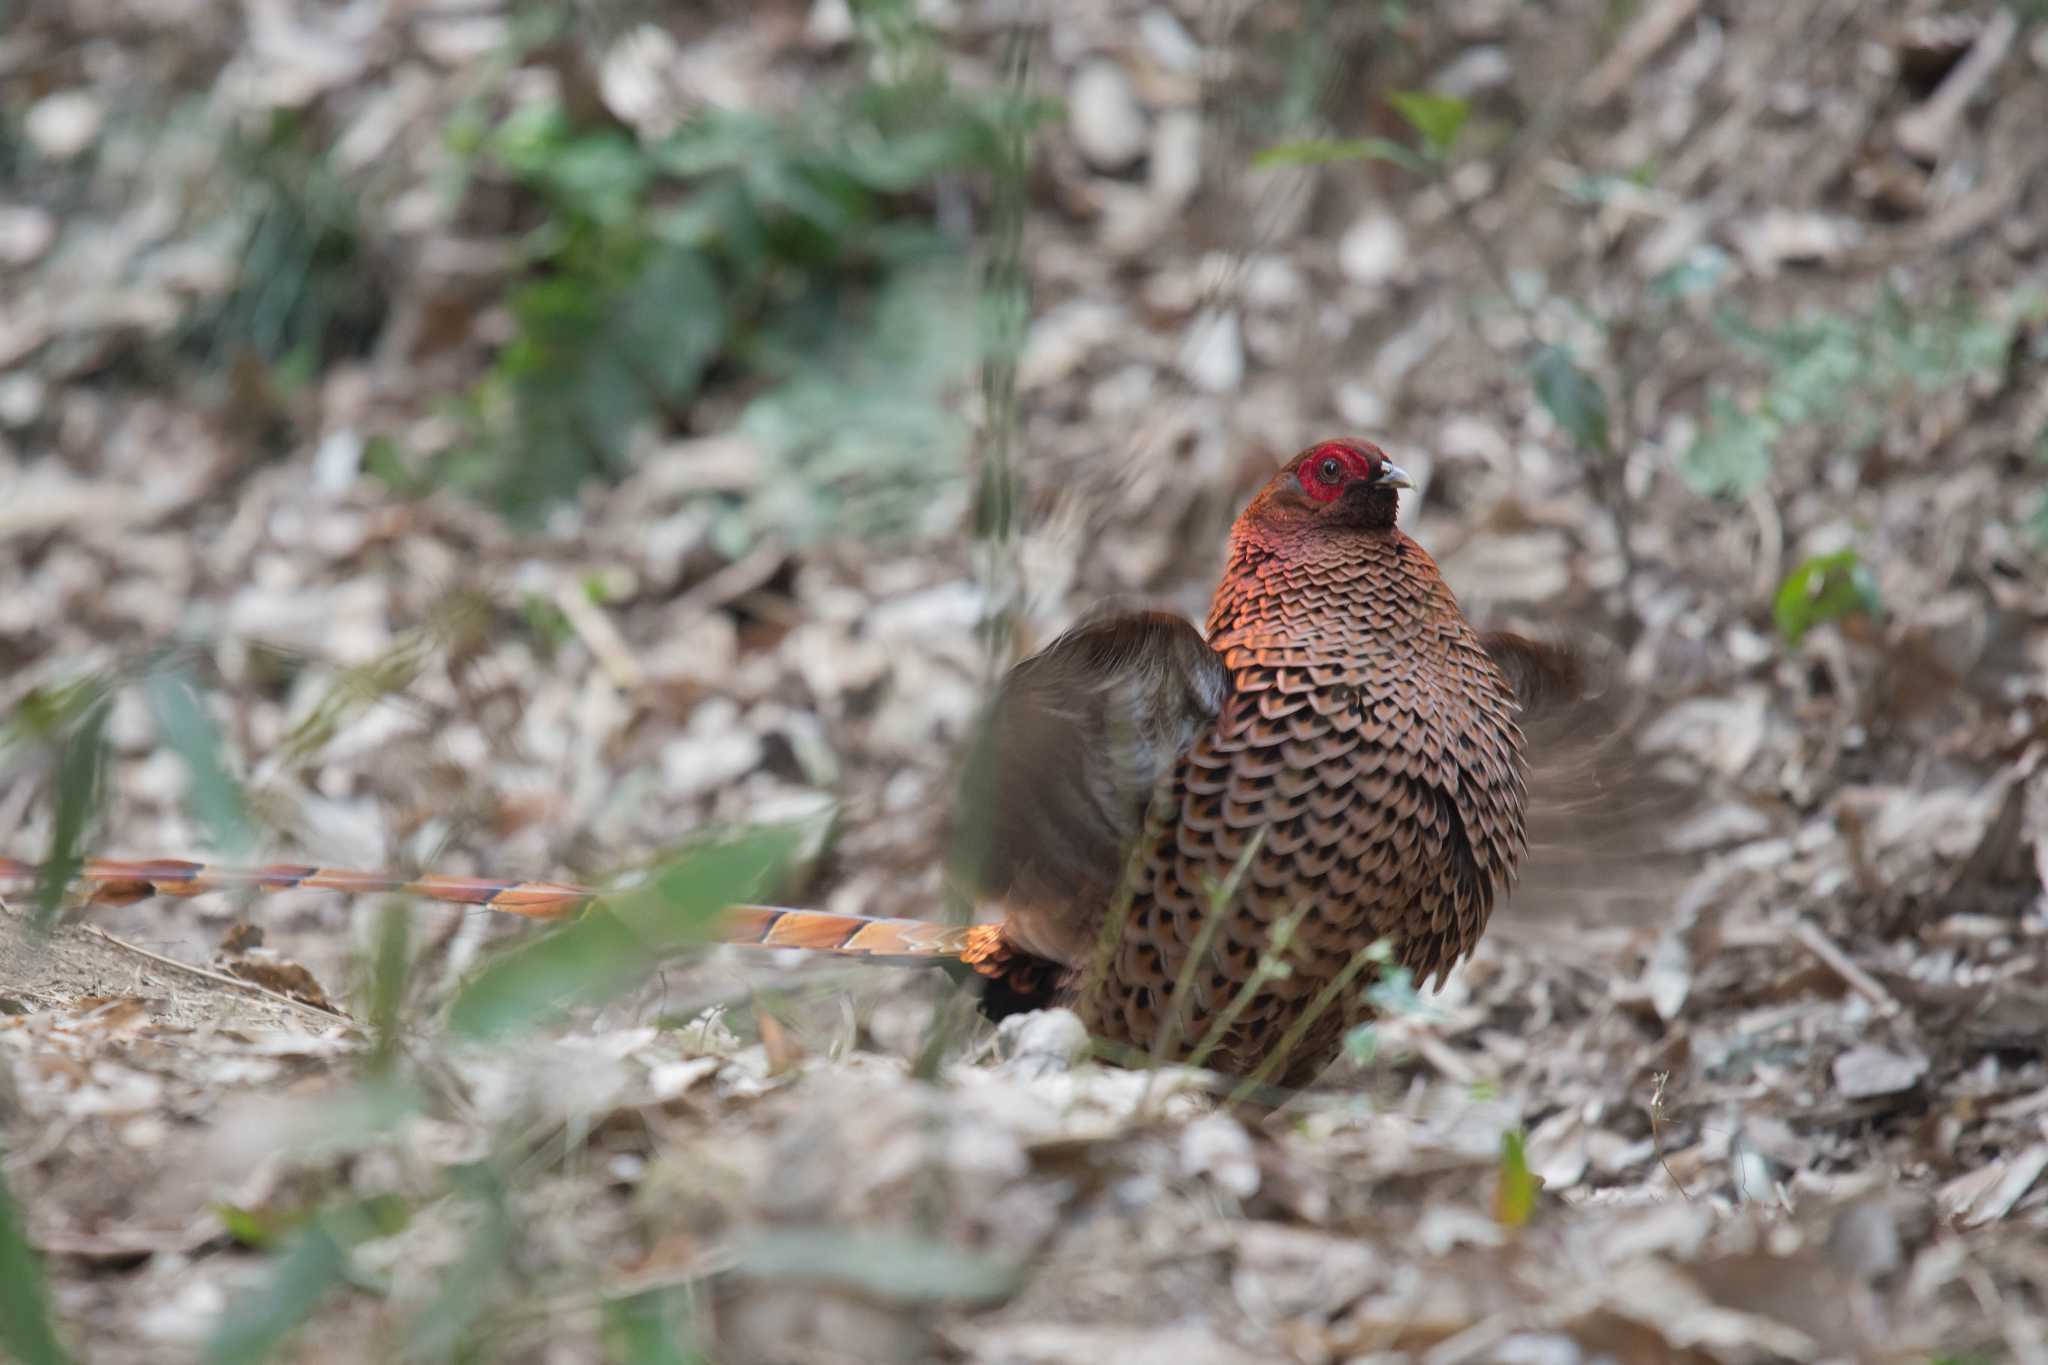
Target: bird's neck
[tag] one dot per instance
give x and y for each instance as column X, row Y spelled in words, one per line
column 1280, row 583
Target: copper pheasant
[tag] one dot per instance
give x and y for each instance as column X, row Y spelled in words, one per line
column 1203, row 845
column 1337, row 764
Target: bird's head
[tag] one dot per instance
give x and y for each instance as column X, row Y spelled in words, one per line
column 1343, row 484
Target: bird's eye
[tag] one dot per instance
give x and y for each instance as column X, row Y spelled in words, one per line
column 1330, row 470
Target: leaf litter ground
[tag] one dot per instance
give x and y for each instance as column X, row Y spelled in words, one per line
column 1777, row 1051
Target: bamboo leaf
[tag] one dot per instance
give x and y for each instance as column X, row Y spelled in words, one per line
column 27, row 1332
column 214, row 796
column 619, row 941
column 80, row 767
column 1438, row 118
column 890, row 1266
column 1319, row 151
column 1515, row 1197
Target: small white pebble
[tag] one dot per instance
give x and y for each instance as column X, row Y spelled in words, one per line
column 62, row 125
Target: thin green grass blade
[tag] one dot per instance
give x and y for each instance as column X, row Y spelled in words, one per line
column 27, row 1329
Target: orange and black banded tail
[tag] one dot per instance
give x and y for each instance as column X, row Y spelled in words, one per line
column 111, row 881
column 115, row 882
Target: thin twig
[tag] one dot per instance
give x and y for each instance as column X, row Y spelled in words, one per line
column 600, row 636
column 1657, row 1131
column 328, row 1016
column 1653, row 28
column 1809, row 937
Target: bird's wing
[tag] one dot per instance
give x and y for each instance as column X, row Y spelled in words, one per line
column 1546, row 676
column 1599, row 814
column 1066, row 758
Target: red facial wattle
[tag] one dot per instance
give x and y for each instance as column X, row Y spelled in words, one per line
column 1326, row 469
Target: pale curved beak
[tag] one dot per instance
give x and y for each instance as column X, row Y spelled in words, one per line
column 1393, row 476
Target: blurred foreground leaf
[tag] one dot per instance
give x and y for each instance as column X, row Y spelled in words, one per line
column 80, row 767
column 652, row 1329
column 622, row 938
column 1319, row 151
column 214, row 795
column 1438, row 118
column 315, row 1262
column 888, row 1265
column 467, row 1288
column 26, row 1331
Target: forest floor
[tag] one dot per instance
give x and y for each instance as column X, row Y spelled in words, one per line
column 1776, row 1047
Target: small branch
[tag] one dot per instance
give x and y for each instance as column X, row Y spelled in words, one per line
column 600, row 636
column 1653, row 28
column 1924, row 133
column 1661, row 1079
column 1835, row 960
column 325, row 1016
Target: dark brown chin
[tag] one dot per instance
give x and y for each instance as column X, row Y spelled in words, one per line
column 1367, row 506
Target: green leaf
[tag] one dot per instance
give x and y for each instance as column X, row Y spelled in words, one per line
column 619, row 941
column 598, row 354
column 671, row 323
column 1515, row 1198
column 257, row 1229
column 1732, row 454
column 1318, row 151
column 388, row 987
column 80, row 770
column 602, row 175
column 546, row 622
column 765, row 245
column 1572, row 398
column 1438, row 118
column 1701, row 272
column 592, row 960
column 1825, row 588
column 887, row 1265
column 214, row 796
column 383, row 462
column 654, row 1328
column 468, row 1287
column 256, row 1324
column 27, row 1331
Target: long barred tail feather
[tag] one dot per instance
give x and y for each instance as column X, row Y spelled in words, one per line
column 120, row 882
column 116, row 882
column 822, row 931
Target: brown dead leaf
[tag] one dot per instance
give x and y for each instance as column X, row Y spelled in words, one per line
column 240, row 938
column 783, row 1050
column 278, row 974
